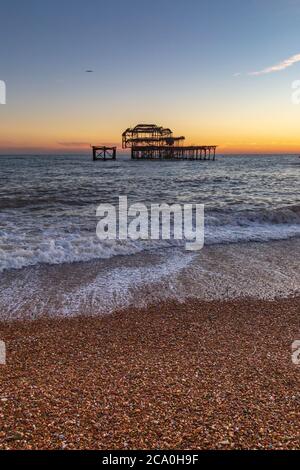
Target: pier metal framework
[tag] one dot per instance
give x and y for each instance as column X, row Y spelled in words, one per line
column 104, row 153
column 149, row 134
column 149, row 141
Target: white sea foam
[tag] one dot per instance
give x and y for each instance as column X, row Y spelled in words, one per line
column 120, row 288
column 265, row 270
column 48, row 205
column 86, row 247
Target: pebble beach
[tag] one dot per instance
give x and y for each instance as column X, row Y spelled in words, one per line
column 194, row 375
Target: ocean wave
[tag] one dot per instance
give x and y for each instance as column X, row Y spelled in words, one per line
column 84, row 246
column 48, row 205
column 265, row 271
column 73, row 249
column 280, row 215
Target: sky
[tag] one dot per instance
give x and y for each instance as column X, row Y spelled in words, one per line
column 219, row 72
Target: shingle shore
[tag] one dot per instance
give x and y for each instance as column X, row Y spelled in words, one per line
column 198, row 375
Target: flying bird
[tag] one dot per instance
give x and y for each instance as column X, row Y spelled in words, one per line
column 89, row 71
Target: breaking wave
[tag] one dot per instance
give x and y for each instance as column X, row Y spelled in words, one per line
column 280, row 215
column 51, row 247
column 48, row 205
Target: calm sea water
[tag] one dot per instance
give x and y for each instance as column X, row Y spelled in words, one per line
column 48, row 217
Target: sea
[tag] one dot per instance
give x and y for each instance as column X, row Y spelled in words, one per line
column 52, row 262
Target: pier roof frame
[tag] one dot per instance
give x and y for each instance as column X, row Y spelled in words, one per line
column 149, row 134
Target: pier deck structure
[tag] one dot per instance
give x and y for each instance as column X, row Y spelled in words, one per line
column 104, row 153
column 149, row 141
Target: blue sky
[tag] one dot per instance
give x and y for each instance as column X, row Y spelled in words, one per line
column 171, row 62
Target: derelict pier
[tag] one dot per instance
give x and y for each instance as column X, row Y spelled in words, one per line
column 149, row 141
